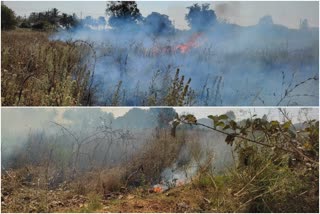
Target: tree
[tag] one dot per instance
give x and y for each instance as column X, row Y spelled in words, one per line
column 123, row 14
column 64, row 20
column 158, row 24
column 231, row 115
column 304, row 24
column 200, row 18
column 41, row 25
column 89, row 21
column 164, row 118
column 8, row 18
column 55, row 12
column 102, row 21
column 53, row 16
column 266, row 21
column 68, row 21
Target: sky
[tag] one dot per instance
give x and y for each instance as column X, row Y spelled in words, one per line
column 19, row 121
column 245, row 13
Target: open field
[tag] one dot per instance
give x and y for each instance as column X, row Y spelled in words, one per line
column 75, row 68
column 126, row 58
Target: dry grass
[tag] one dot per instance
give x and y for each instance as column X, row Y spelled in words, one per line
column 39, row 72
column 260, row 186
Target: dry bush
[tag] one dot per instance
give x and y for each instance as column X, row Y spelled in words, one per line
column 267, row 184
column 36, row 71
column 159, row 153
column 111, row 180
column 179, row 92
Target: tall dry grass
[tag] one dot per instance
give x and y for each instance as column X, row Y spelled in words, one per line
column 38, row 72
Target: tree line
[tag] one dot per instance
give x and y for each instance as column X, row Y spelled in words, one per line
column 51, row 19
column 121, row 15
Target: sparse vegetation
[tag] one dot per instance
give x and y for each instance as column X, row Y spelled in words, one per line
column 39, row 72
column 111, row 169
column 65, row 60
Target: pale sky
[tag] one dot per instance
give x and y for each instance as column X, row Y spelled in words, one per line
column 288, row 13
column 21, row 120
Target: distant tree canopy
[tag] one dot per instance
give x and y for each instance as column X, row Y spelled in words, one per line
column 102, row 21
column 304, row 24
column 158, row 24
column 68, row 21
column 88, row 20
column 50, row 19
column 163, row 116
column 123, row 13
column 231, row 115
column 266, row 21
column 50, row 16
column 8, row 18
column 201, row 17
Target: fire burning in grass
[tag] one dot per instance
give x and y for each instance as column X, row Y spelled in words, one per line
column 160, row 188
column 183, row 48
column 127, row 53
column 191, row 43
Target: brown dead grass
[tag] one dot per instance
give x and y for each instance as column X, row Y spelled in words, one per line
column 36, row 71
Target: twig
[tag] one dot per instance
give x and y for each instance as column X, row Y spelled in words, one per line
column 237, row 194
column 288, row 90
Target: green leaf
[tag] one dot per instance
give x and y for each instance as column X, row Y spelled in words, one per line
column 223, row 117
column 220, row 123
column 274, row 123
column 214, row 118
column 226, row 127
column 191, row 119
column 233, row 124
column 210, row 117
column 287, row 125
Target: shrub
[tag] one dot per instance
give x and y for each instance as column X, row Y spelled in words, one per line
column 8, row 18
column 41, row 25
column 25, row 25
column 38, row 72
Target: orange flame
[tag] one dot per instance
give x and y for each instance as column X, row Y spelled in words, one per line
column 157, row 189
column 184, row 48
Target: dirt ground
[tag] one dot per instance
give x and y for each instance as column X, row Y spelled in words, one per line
column 21, row 197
